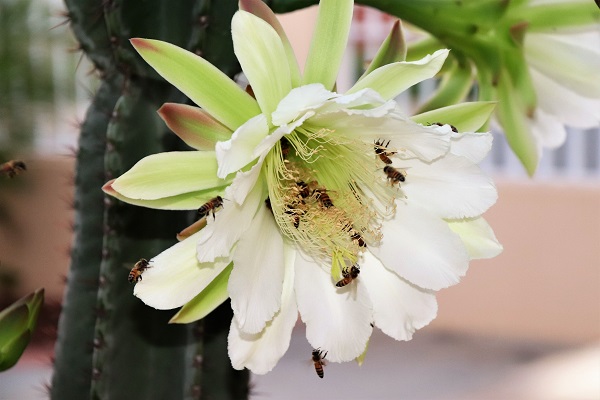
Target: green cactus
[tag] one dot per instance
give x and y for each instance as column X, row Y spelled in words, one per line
column 107, row 337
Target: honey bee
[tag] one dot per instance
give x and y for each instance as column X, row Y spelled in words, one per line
column 451, row 126
column 294, row 213
column 348, row 276
column 380, row 150
column 135, row 275
column 303, row 189
column 323, row 198
column 12, row 168
column 393, row 175
column 356, row 236
column 318, row 358
column 209, row 206
column 285, row 147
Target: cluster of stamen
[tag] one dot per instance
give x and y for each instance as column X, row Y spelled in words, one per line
column 329, row 195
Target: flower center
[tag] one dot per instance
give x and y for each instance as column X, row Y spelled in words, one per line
column 329, row 194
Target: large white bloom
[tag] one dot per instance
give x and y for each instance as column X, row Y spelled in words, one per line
column 308, row 194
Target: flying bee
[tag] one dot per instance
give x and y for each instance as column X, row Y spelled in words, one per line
column 318, row 358
column 210, row 206
column 13, row 168
column 135, row 275
column 348, row 274
column 323, row 198
column 380, row 150
column 451, row 126
column 393, row 175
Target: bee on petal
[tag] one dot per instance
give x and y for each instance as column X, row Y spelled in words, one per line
column 393, row 175
column 348, row 275
column 380, row 150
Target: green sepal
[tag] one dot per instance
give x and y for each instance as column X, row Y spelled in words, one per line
column 329, row 42
column 393, row 49
column 11, row 352
column 194, row 126
column 552, row 16
column 206, row 301
column 453, row 88
column 466, row 117
column 261, row 10
column 513, row 120
column 201, row 81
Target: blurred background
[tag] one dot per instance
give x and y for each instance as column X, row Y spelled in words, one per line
column 525, row 325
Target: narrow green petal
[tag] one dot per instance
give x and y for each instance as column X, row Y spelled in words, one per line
column 393, row 49
column 198, row 79
column 184, row 201
column 466, row 117
column 328, row 42
column 454, row 88
column 262, row 56
column 206, row 301
column 392, row 79
column 13, row 322
column 12, row 351
column 512, row 117
column 169, row 174
column 194, row 126
column 261, row 10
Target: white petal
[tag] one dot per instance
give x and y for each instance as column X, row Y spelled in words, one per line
column 548, row 130
column 337, row 320
column 243, row 182
column 175, row 276
column 261, row 352
column 478, row 237
column 572, row 65
column 299, row 101
column 267, row 143
column 422, row 249
column 239, row 150
column 474, row 146
column 399, row 308
column 406, row 137
column 256, row 281
column 450, row 187
column 366, row 102
column 564, row 104
column 222, row 232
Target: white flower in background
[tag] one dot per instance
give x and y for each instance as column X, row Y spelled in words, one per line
column 564, row 70
column 308, row 194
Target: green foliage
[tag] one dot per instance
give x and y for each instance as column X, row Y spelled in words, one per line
column 17, row 323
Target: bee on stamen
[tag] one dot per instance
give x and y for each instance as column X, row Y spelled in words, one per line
column 303, row 189
column 323, row 198
column 13, row 168
column 135, row 275
column 393, row 175
column 210, row 206
column 294, row 214
column 348, row 275
column 318, row 358
column 285, row 147
column 380, row 150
